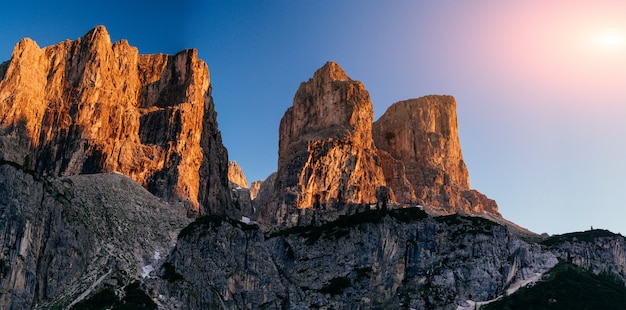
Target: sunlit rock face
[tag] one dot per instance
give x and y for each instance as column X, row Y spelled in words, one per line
column 235, row 175
column 89, row 106
column 326, row 152
column 420, row 152
column 255, row 187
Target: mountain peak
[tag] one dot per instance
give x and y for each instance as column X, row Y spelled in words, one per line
column 88, row 106
column 98, row 34
column 331, row 71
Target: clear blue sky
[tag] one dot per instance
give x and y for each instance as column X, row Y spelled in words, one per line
column 540, row 85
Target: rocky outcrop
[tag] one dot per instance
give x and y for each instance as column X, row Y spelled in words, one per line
column 220, row 263
column 423, row 134
column 326, row 155
column 420, row 152
column 598, row 251
column 235, row 175
column 255, row 187
column 392, row 259
column 89, row 106
column 63, row 238
column 331, row 156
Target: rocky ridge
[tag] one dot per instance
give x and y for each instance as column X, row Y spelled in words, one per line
column 89, row 106
column 394, row 259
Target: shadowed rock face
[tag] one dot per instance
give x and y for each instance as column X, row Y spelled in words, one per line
column 61, row 237
column 326, row 151
column 89, row 106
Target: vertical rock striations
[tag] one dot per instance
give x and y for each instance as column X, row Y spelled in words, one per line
column 61, row 238
column 421, row 156
column 326, row 152
column 89, row 105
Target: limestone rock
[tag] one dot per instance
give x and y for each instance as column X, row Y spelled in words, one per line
column 262, row 203
column 423, row 134
column 241, row 201
column 222, row 264
column 255, row 187
column 326, row 152
column 62, row 238
column 370, row 260
column 89, row 106
column 235, row 174
column 420, row 152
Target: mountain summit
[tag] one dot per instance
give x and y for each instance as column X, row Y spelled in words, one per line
column 332, row 154
column 89, row 106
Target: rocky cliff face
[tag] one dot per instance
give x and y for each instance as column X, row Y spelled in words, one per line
column 371, row 260
column 331, row 155
column 89, row 106
column 62, row 238
column 326, row 153
column 326, row 156
column 255, row 187
column 423, row 134
column 235, row 175
column 421, row 156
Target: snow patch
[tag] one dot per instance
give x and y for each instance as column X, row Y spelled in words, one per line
column 146, row 270
column 512, row 289
column 157, row 255
column 245, row 220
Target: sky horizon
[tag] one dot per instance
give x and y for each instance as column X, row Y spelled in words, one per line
column 540, row 87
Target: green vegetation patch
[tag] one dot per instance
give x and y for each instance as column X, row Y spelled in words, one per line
column 134, row 298
column 208, row 222
column 474, row 224
column 336, row 286
column 104, row 299
column 170, row 274
column 341, row 227
column 567, row 286
column 581, row 236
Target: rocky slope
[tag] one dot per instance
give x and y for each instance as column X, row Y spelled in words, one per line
column 89, row 106
column 63, row 238
column 420, row 152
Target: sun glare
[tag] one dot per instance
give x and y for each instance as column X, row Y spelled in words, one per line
column 609, row 40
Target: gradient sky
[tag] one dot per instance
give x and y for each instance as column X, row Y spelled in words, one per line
column 540, row 85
